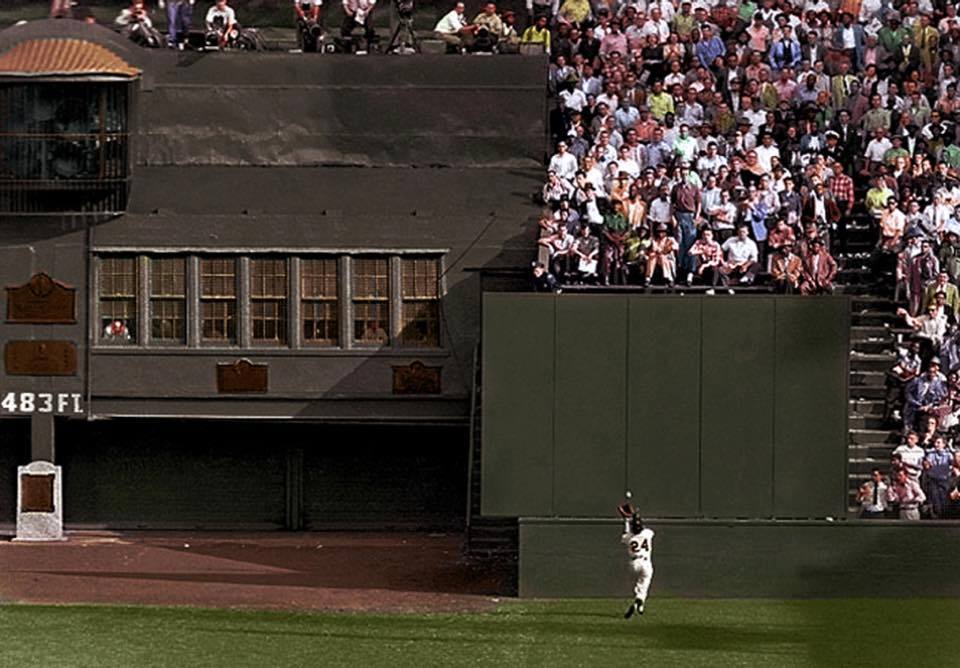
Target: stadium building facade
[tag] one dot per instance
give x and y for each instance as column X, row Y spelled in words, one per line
column 238, row 286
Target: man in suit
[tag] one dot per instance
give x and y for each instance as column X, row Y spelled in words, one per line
column 849, row 39
column 819, row 270
column 840, row 85
column 951, row 296
column 907, row 58
column 785, row 52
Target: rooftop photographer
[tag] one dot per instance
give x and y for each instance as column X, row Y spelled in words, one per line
column 221, row 23
column 309, row 30
column 454, row 29
column 358, row 13
column 137, row 25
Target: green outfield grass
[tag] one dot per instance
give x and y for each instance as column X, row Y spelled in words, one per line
column 674, row 632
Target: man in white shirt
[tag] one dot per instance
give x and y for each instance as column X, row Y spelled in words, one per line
column 766, row 151
column 626, row 163
column 221, row 20
column 454, row 29
column 563, row 163
column 877, row 147
column 742, row 254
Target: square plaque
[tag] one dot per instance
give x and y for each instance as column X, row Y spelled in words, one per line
column 36, row 493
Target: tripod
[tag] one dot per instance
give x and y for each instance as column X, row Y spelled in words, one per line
column 403, row 35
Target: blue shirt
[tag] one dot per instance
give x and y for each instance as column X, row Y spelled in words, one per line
column 940, row 461
column 708, row 51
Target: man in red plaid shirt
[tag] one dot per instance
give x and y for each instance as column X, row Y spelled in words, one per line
column 841, row 187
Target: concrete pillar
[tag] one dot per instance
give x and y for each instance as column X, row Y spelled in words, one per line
column 41, row 437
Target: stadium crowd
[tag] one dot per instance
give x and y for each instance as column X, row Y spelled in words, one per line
column 715, row 142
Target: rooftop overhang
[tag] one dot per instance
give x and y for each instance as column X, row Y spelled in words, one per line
column 58, row 59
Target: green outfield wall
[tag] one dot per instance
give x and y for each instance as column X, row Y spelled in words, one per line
column 703, row 406
column 782, row 559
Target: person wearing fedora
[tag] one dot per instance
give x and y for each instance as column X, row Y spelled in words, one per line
column 661, row 257
column 819, row 270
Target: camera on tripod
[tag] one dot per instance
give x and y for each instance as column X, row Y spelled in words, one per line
column 405, row 8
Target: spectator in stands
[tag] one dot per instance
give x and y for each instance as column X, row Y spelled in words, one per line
column 454, row 29
column 905, row 492
column 220, row 22
column 563, row 163
column 923, row 393
column 543, row 280
column 509, row 40
column 538, row 33
column 943, row 286
column 937, row 463
column 742, row 257
column 786, row 269
column 661, row 257
column 489, row 28
column 358, row 13
column 819, row 270
column 922, row 269
column 873, row 497
column 709, row 257
column 907, row 367
column 685, row 201
column 180, row 16
column 586, row 252
column 137, row 25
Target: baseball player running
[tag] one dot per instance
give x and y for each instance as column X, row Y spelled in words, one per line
column 639, row 542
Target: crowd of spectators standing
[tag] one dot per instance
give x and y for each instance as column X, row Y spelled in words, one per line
column 712, row 141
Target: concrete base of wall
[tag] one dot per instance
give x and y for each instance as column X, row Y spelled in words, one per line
column 584, row 558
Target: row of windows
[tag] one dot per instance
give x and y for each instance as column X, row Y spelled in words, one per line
column 314, row 294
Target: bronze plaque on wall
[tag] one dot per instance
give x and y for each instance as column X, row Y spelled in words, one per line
column 40, row 358
column 36, row 493
column 242, row 376
column 42, row 300
column 416, row 379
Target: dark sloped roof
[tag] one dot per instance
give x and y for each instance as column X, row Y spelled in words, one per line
column 350, row 190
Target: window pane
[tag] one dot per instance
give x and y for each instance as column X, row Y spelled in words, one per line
column 218, row 303
column 167, row 300
column 370, row 323
column 218, row 277
column 319, row 310
column 268, row 278
column 420, row 315
column 421, row 323
column 370, row 278
column 268, row 300
column 167, row 277
column 420, row 276
column 318, row 278
column 219, row 322
column 167, row 320
column 269, row 319
column 118, row 277
column 118, row 300
column 321, row 323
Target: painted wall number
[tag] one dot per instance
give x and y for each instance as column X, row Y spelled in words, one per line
column 42, row 402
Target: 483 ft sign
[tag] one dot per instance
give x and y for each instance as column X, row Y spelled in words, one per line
column 60, row 403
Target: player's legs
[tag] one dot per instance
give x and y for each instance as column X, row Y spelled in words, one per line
column 644, row 571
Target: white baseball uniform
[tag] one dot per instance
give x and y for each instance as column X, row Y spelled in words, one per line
column 640, row 553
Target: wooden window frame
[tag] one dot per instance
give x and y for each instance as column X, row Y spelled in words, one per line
column 340, row 294
column 264, row 295
column 225, row 300
column 158, row 296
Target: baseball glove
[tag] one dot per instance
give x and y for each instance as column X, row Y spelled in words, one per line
column 625, row 509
